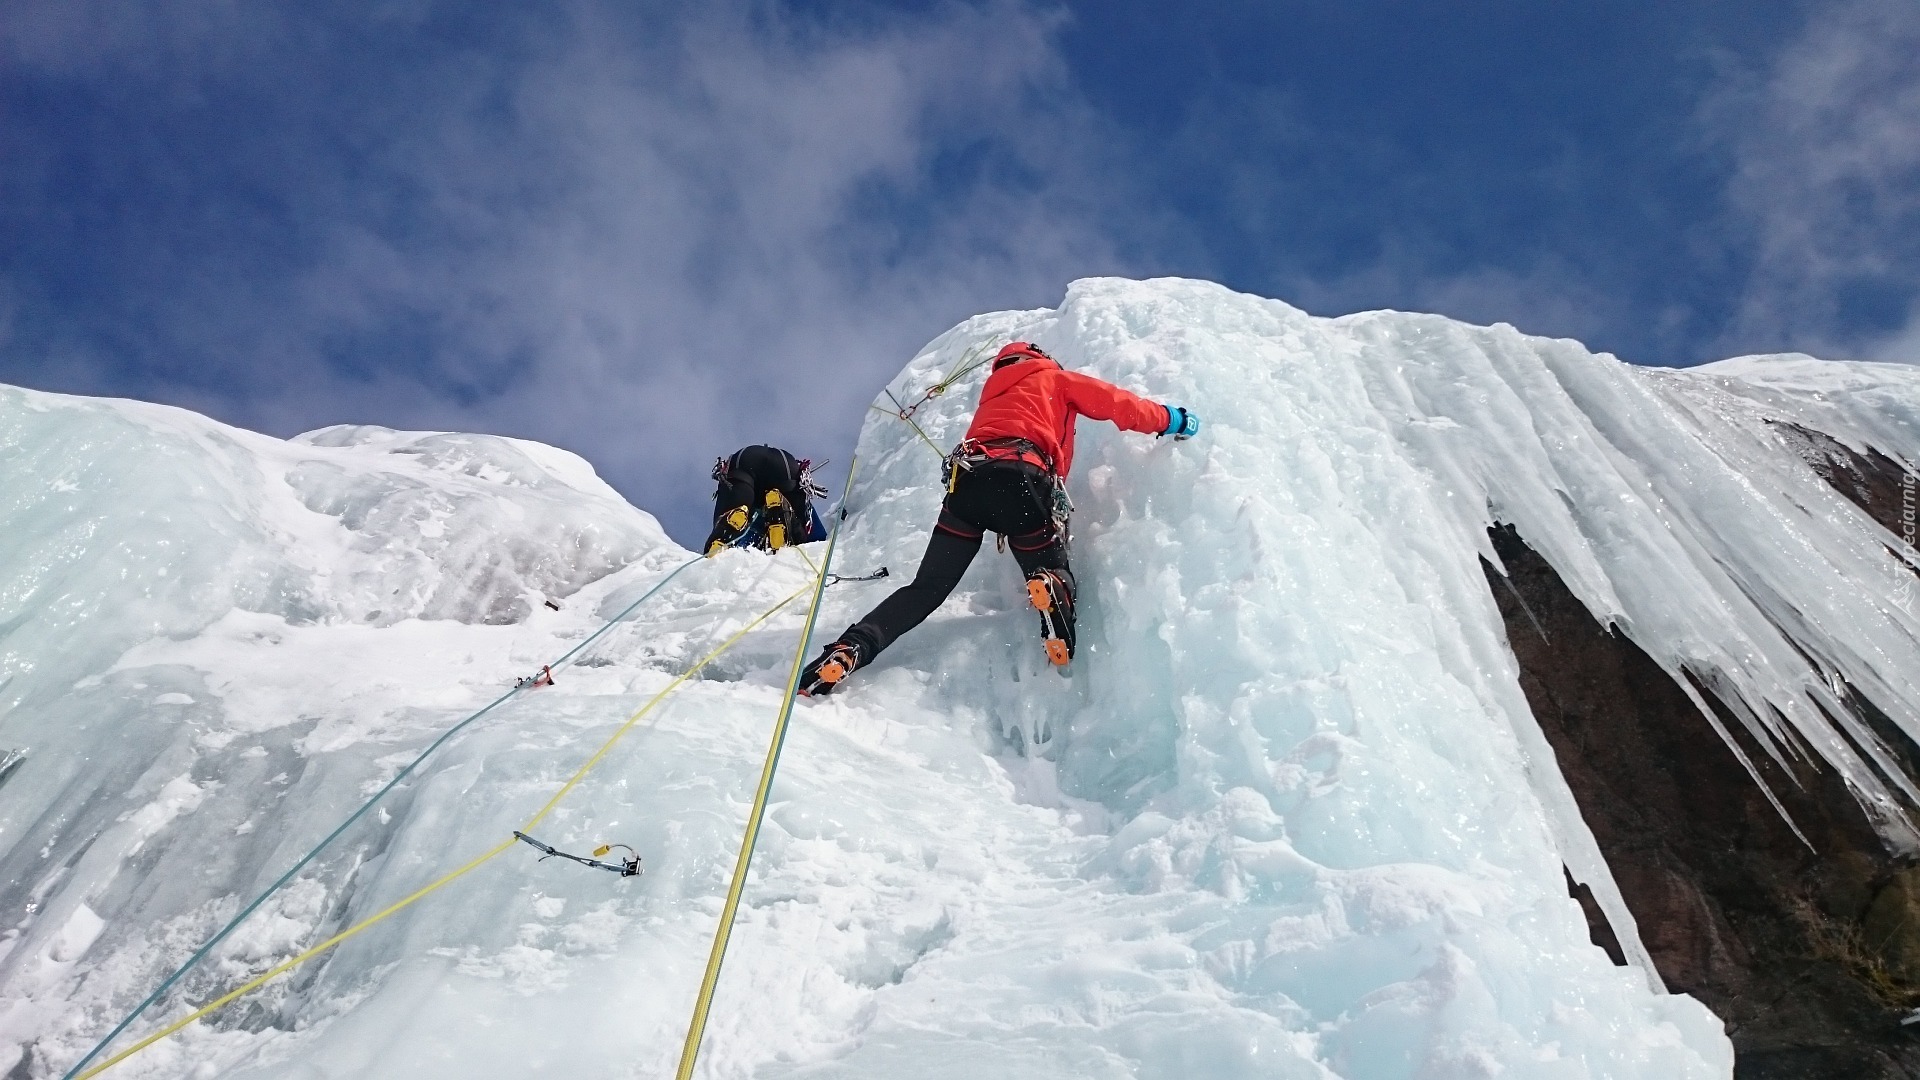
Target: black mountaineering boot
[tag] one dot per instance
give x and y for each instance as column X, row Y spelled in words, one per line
column 1051, row 592
column 834, row 663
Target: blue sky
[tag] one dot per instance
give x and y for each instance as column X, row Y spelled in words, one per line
column 651, row 232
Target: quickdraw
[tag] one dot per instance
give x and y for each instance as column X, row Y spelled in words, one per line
column 629, row 865
column 723, row 468
column 973, row 360
column 543, row 677
column 814, row 488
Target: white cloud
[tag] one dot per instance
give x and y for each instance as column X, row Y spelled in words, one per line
column 1826, row 192
column 655, row 237
column 1551, row 297
column 1903, row 345
column 674, row 251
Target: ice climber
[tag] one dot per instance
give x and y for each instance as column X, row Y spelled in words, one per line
column 765, row 500
column 1008, row 476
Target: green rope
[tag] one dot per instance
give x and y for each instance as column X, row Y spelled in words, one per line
column 917, row 429
column 970, row 361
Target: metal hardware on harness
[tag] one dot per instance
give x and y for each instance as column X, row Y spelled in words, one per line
column 629, row 865
column 814, row 488
column 970, row 454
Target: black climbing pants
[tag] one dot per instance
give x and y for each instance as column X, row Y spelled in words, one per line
column 1012, row 498
column 747, row 476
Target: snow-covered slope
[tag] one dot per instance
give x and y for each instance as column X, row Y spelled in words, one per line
column 1288, row 817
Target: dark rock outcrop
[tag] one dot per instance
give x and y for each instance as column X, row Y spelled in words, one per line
column 1872, row 480
column 1810, row 954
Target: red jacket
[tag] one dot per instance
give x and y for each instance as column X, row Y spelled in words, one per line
column 1038, row 400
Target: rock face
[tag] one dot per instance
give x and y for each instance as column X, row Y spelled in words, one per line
column 1810, row 950
column 1892, row 926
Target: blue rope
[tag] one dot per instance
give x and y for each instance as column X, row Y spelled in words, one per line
column 628, row 610
column 745, row 539
column 234, row 923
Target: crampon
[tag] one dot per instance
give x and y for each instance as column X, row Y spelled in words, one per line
column 819, row 678
column 1052, row 597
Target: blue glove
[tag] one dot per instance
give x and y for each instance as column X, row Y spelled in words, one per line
column 1181, row 424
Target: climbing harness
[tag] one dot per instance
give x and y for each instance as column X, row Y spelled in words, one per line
column 697, row 1026
column 75, row 1073
column 970, row 454
column 629, row 865
column 723, row 468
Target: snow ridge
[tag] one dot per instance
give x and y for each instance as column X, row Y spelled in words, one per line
column 1289, row 816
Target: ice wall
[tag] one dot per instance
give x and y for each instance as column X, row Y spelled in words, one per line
column 1378, row 447
column 157, row 571
column 1288, row 816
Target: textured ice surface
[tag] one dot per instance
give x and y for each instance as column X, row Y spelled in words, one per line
column 1288, row 817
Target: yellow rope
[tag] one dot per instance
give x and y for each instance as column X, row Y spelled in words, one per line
column 697, row 1026
column 408, row 901
column 644, row 709
column 288, row 965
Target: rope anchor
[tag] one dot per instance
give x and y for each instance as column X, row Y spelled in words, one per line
column 543, row 677
column 974, row 359
column 629, row 865
column 835, row 579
